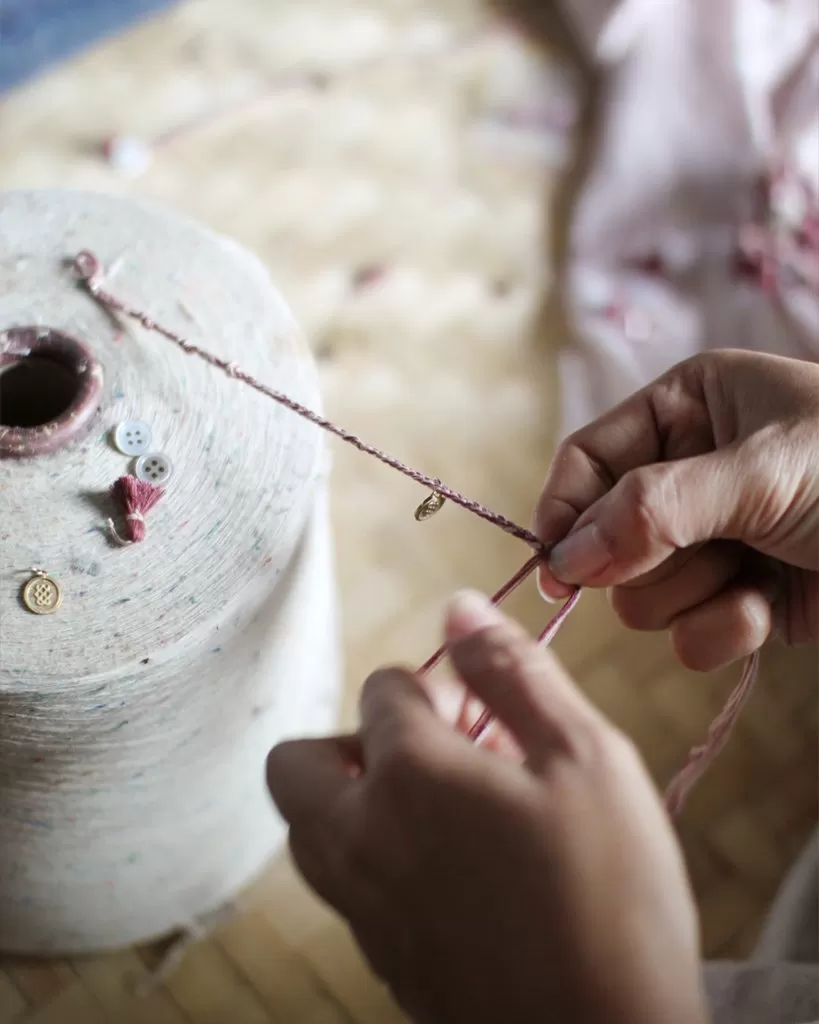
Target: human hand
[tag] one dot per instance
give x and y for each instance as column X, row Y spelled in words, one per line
column 697, row 502
column 485, row 889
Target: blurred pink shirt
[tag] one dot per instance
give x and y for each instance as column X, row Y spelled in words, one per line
column 698, row 227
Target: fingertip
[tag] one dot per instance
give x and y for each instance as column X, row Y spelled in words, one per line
column 277, row 760
column 386, row 681
column 550, row 589
column 383, row 675
column 523, row 685
column 305, row 777
column 391, row 695
column 729, row 627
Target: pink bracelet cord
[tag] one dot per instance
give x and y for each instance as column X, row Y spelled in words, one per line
column 89, row 270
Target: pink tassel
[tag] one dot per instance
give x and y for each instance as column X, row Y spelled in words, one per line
column 137, row 497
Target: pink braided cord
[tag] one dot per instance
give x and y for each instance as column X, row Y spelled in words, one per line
column 89, row 270
column 701, row 757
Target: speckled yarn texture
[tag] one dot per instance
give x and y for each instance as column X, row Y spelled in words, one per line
column 134, row 722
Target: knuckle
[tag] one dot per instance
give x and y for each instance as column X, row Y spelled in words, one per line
column 649, row 495
column 403, row 760
column 508, row 654
column 630, row 608
column 578, row 448
column 640, row 498
column 577, row 452
column 600, row 748
column 567, row 447
column 514, row 661
column 754, row 621
column 621, row 750
column 379, row 681
column 616, row 755
column 735, row 633
column 496, row 653
column 692, row 653
column 359, row 854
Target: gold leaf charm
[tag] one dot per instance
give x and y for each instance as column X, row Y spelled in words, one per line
column 429, row 506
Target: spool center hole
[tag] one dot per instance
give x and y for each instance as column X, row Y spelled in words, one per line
column 35, row 391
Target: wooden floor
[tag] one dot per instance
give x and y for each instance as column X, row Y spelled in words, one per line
column 375, row 180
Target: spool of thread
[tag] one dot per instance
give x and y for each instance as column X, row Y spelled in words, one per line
column 134, row 721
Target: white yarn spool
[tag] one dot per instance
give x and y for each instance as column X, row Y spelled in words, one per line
column 134, row 721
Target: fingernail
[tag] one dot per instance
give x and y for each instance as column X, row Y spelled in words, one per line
column 556, row 591
column 544, row 596
column 580, row 556
column 469, row 612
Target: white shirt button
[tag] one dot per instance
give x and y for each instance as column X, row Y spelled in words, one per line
column 133, row 437
column 155, row 468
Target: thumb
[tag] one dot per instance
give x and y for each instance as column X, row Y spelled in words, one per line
column 653, row 511
column 523, row 685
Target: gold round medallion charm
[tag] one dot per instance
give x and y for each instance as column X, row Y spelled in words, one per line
column 429, row 506
column 42, row 595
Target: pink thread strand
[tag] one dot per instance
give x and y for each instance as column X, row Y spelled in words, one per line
column 701, row 757
column 89, row 270
column 511, row 584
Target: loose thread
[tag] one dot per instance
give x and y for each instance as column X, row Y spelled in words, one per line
column 116, row 536
column 194, row 932
column 701, row 757
column 511, row 584
column 171, row 960
column 89, row 270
